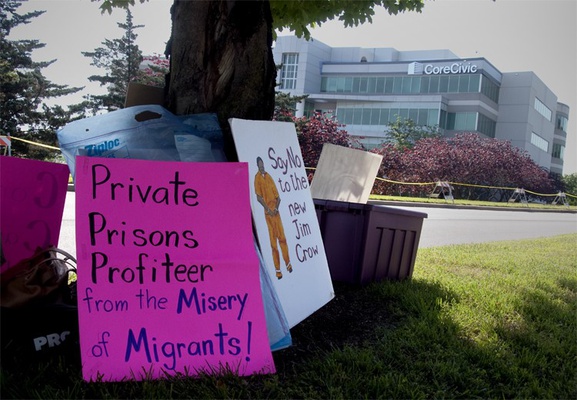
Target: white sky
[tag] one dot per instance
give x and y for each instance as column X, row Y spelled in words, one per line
column 513, row 35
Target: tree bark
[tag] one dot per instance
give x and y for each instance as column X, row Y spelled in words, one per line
column 221, row 61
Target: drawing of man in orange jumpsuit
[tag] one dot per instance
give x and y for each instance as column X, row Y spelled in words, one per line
column 267, row 195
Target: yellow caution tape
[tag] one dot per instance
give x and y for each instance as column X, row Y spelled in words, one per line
column 406, row 183
column 464, row 184
column 34, row 143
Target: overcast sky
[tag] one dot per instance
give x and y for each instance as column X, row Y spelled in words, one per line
column 513, row 35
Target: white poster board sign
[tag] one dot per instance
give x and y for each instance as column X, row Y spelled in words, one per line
column 345, row 174
column 284, row 215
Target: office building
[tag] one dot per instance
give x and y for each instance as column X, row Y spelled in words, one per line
column 369, row 88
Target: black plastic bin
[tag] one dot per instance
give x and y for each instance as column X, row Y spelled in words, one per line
column 366, row 243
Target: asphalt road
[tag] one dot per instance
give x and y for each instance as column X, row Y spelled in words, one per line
column 443, row 225
column 446, row 226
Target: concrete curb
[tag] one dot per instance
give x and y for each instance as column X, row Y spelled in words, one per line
column 562, row 209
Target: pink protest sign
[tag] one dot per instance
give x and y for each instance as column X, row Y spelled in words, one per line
column 168, row 276
column 32, row 197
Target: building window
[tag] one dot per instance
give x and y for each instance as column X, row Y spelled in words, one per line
column 375, row 116
column 486, row 125
column 464, row 121
column 538, row 141
column 453, row 84
column 466, row 83
column 468, row 121
column 463, row 83
column 288, row 74
column 443, row 84
column 309, row 109
column 562, row 123
column 474, row 83
column 387, row 116
column 558, row 151
column 489, row 89
column 542, row 109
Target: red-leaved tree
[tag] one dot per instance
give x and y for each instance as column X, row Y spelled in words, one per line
column 154, row 70
column 481, row 168
column 313, row 132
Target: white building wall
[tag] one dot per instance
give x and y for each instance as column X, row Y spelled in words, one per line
column 515, row 114
column 518, row 118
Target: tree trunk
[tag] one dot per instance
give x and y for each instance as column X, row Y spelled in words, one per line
column 221, row 61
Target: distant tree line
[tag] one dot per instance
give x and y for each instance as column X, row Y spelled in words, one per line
column 487, row 167
column 25, row 92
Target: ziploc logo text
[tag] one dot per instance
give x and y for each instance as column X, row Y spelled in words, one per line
column 95, row 150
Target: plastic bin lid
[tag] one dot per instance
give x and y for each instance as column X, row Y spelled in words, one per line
column 345, row 206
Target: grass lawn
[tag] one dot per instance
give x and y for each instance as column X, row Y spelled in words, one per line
column 495, row 320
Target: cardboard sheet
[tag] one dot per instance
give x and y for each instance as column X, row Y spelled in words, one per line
column 345, row 174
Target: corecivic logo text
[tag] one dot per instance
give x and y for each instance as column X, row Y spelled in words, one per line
column 430, row 69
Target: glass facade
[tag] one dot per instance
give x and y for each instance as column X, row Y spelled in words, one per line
column 540, row 142
column 289, row 69
column 387, row 116
column 561, row 123
column 458, row 121
column 464, row 83
column 542, row 109
column 486, row 125
column 464, row 121
column 558, row 151
column 468, row 121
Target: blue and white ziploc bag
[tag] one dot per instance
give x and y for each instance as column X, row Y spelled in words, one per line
column 146, row 132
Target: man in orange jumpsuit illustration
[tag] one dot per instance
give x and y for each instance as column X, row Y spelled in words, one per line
column 267, row 195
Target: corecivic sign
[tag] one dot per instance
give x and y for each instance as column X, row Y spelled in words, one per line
column 417, row 68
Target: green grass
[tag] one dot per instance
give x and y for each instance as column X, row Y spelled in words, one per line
column 495, row 320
